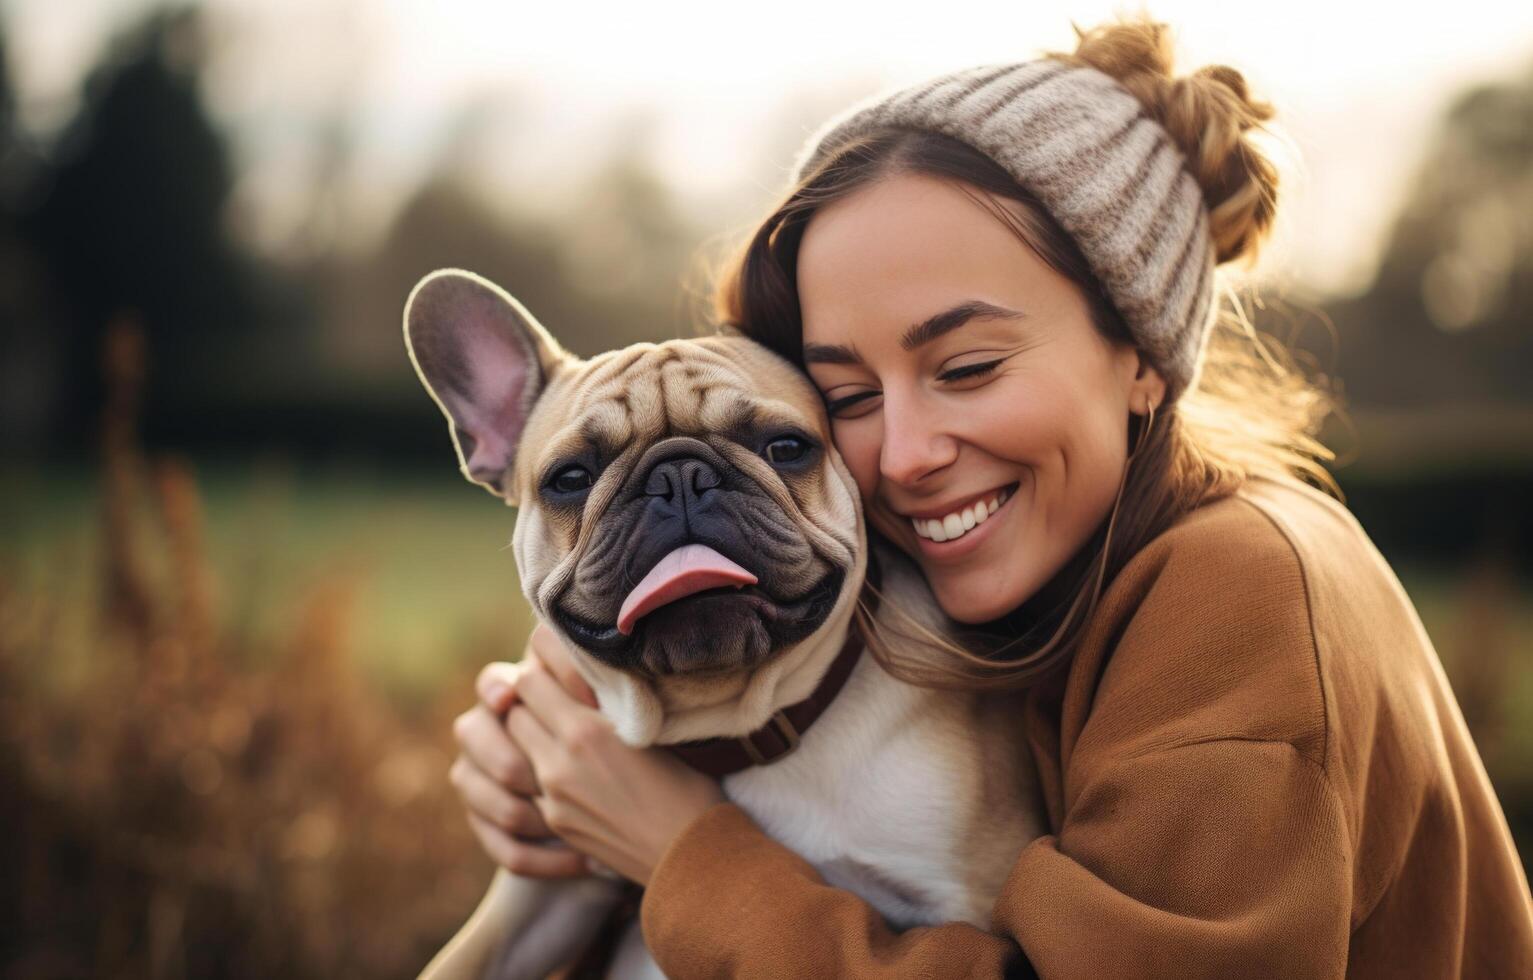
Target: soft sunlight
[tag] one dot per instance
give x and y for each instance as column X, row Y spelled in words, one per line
column 531, row 90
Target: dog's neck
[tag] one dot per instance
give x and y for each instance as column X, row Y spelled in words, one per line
column 680, row 709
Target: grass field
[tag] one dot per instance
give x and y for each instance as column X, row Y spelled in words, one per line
column 428, row 557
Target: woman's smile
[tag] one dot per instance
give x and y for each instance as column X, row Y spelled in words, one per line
column 951, row 532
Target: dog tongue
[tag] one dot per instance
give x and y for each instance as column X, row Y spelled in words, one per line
column 690, row 568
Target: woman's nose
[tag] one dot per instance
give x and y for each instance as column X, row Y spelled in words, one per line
column 914, row 444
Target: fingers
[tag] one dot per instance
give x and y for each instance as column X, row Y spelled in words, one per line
column 487, row 745
column 499, row 740
column 530, row 735
column 578, row 726
column 545, row 644
column 531, row 860
column 495, row 804
column 496, row 685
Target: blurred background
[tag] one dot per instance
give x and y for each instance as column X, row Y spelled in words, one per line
column 243, row 589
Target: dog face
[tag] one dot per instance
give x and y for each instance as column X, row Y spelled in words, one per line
column 680, row 509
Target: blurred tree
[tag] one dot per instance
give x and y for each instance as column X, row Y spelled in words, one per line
column 1446, row 322
column 131, row 221
column 28, row 361
column 7, row 97
column 626, row 242
column 602, row 274
column 1435, row 356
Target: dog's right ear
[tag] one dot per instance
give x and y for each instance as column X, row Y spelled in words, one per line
column 485, row 361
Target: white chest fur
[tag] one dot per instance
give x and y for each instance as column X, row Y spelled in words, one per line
column 917, row 800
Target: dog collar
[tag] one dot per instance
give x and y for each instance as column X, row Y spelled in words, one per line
column 780, row 735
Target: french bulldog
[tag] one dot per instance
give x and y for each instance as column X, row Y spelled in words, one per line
column 685, row 525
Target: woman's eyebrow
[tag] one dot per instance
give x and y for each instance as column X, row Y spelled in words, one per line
column 948, row 320
column 924, row 332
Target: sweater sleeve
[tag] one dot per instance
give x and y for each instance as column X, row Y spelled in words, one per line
column 726, row 900
column 1220, row 858
column 1213, row 859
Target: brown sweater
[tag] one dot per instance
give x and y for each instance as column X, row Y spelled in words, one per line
column 1254, row 767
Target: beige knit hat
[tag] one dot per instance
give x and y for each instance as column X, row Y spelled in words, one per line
column 1106, row 171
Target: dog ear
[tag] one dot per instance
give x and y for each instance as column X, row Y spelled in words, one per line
column 485, row 360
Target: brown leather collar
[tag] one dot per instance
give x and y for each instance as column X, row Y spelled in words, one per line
column 780, row 735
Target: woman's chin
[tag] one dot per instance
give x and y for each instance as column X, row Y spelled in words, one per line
column 974, row 596
column 977, row 592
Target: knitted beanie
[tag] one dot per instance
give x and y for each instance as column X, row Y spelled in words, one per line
column 1106, row 171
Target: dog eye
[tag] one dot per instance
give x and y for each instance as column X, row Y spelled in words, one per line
column 571, row 479
column 786, row 449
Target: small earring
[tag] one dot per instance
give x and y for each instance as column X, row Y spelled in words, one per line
column 1144, row 428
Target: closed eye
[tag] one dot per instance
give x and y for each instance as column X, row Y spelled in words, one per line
column 970, row 370
column 838, row 405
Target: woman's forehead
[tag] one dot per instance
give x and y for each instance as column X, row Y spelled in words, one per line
column 908, row 248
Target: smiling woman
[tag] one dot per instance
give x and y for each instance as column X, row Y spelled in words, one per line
column 1002, row 282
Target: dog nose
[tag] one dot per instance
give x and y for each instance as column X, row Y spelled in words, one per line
column 681, row 480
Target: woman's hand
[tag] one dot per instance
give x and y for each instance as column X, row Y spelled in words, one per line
column 620, row 805
column 494, row 777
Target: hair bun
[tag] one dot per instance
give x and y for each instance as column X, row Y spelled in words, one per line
column 1209, row 114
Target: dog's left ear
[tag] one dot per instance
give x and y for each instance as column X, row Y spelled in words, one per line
column 485, row 360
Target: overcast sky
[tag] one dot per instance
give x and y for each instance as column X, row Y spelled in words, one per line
column 1357, row 85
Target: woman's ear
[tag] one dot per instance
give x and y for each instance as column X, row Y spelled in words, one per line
column 1148, row 388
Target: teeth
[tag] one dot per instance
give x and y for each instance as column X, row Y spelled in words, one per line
column 958, row 523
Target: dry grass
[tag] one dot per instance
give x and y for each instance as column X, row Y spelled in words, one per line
column 171, row 814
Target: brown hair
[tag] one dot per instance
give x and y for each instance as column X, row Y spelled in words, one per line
column 1251, row 412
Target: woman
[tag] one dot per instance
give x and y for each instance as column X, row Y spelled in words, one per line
column 1252, row 763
